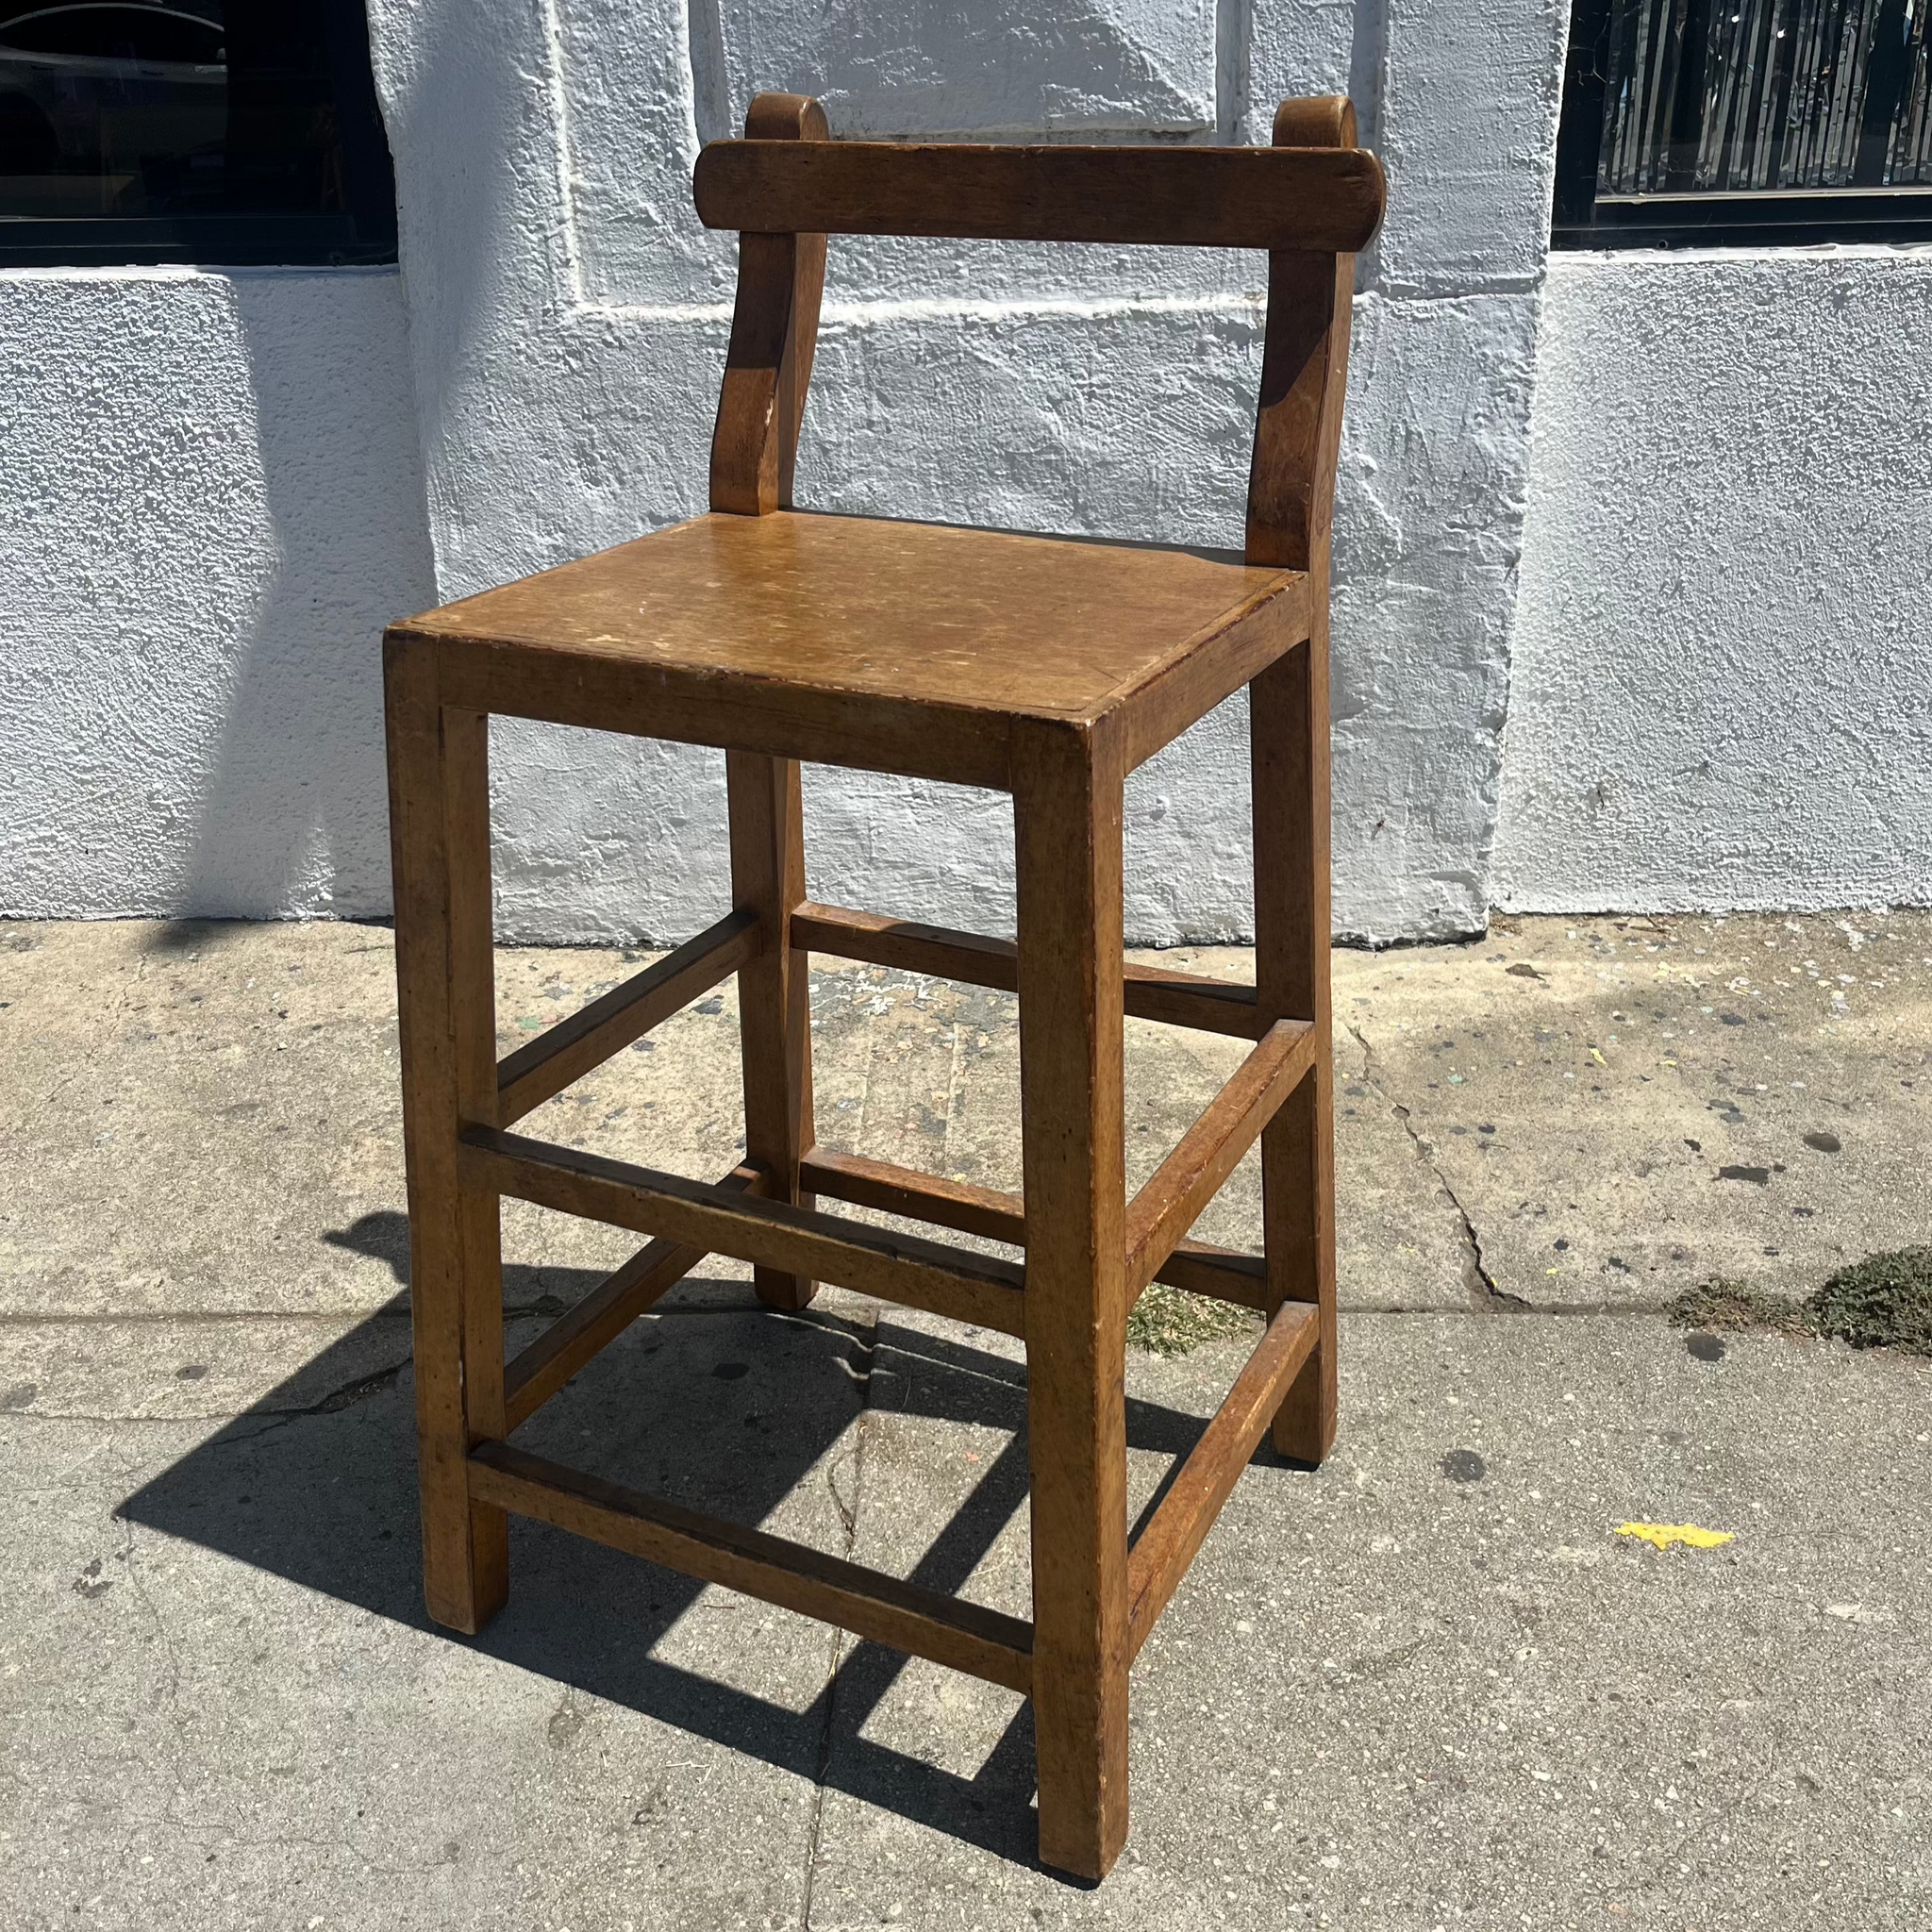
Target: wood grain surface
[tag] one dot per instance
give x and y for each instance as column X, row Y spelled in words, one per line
column 962, row 1635
column 1208, row 197
column 769, row 1234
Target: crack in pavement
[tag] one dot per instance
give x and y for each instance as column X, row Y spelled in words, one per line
column 512, row 1311
column 1476, row 1278
column 1483, row 1292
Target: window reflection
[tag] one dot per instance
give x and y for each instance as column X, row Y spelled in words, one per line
column 250, row 122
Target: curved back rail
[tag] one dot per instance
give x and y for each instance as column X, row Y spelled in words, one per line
column 1311, row 200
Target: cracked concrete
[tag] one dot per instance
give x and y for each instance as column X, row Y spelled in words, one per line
column 1428, row 1685
column 1476, row 1278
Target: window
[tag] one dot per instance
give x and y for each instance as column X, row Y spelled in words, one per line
column 224, row 131
column 1731, row 122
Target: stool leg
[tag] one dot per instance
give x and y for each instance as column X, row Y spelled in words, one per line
column 439, row 829
column 774, row 1007
column 1067, row 813
column 1288, row 725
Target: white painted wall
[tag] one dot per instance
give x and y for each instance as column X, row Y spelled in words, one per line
column 211, row 503
column 218, row 487
column 1723, row 684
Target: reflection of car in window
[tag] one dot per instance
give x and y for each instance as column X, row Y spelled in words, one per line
column 116, row 105
column 190, row 130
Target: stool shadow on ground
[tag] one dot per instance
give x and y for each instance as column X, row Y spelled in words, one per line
column 710, row 1401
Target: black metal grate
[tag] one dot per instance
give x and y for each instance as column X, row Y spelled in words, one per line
column 1714, row 121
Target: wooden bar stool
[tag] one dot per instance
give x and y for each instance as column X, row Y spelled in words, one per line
column 1042, row 667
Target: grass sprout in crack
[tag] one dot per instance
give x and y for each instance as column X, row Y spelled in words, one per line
column 1884, row 1301
column 1171, row 1322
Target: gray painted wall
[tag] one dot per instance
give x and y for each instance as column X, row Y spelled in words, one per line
column 221, row 485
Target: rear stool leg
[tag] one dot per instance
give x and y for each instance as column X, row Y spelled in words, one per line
column 774, row 1006
column 1067, row 813
column 439, row 828
column 1289, row 728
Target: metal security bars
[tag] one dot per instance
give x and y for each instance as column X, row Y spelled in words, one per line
column 1727, row 121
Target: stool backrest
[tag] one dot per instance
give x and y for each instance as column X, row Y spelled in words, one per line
column 1311, row 200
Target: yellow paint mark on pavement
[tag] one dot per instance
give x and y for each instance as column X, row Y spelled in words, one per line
column 1664, row 1534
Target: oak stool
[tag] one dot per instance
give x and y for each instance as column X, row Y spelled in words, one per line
column 1043, row 668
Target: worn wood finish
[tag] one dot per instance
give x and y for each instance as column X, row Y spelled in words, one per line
column 1304, row 377
column 893, row 1190
column 1290, row 510
column 1154, row 709
column 440, row 834
column 774, row 327
column 766, row 811
column 1288, row 725
column 574, row 1338
column 1209, row 1151
column 950, row 1631
column 1223, row 1274
column 767, row 1233
column 1205, row 198
column 1067, row 839
column 822, row 638
column 1043, row 667
column 1150, row 992
column 1314, row 121
column 543, row 1069
column 1163, row 1550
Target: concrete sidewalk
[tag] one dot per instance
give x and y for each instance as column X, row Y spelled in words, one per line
column 1427, row 1687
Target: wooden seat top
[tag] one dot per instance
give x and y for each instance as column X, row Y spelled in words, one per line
column 925, row 615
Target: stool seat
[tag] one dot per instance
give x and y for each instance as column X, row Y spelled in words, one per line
column 922, row 637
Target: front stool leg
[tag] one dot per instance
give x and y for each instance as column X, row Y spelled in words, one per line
column 445, row 984
column 1067, row 814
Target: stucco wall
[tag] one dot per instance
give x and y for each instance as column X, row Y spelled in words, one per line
column 1723, row 683
column 568, row 322
column 211, row 503
column 218, row 487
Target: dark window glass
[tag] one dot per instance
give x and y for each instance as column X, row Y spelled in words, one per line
column 190, row 130
column 1745, row 121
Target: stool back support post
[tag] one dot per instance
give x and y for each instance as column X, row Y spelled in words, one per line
column 774, row 327
column 765, row 803
column 1290, row 512
column 440, row 834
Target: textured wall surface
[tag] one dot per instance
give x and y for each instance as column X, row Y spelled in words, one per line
column 219, row 487
column 568, row 322
column 1722, row 692
column 212, row 503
